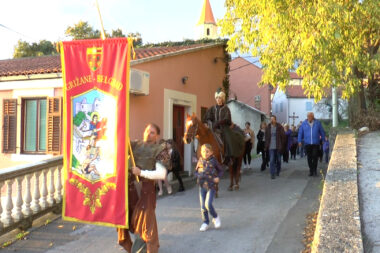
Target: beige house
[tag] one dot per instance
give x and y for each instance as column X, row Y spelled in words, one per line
column 166, row 83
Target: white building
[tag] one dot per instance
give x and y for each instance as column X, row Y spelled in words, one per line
column 241, row 113
column 293, row 105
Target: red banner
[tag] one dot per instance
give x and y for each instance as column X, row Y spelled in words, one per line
column 96, row 106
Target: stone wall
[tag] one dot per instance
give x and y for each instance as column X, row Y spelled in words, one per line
column 338, row 226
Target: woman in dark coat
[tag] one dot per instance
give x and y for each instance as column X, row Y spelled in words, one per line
column 261, row 146
column 293, row 147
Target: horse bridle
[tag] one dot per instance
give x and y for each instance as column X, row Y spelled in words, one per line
column 192, row 133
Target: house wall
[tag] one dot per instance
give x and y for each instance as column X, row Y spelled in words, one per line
column 241, row 114
column 204, row 77
column 244, row 79
column 23, row 89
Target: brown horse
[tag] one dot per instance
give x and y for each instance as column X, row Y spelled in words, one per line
column 196, row 129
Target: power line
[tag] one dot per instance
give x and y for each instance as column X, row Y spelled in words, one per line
column 245, row 65
column 10, row 29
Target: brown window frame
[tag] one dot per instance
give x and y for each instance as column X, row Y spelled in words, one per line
column 23, row 123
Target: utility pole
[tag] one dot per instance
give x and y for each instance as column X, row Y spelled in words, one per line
column 334, row 108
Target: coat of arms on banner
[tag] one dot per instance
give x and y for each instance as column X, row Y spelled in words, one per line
column 94, row 128
column 94, row 57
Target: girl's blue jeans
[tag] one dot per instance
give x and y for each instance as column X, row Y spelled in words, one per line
column 206, row 197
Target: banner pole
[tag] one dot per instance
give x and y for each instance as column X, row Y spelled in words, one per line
column 102, row 32
column 133, row 159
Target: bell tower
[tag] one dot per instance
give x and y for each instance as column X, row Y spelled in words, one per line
column 207, row 25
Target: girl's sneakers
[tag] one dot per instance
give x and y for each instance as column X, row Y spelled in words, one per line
column 217, row 222
column 204, row 227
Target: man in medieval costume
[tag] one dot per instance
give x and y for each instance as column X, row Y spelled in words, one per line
column 151, row 160
column 218, row 118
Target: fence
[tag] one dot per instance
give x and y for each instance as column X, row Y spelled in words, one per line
column 29, row 191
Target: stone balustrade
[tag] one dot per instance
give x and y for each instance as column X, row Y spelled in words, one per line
column 29, row 191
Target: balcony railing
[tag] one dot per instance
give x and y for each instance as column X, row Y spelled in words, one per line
column 29, row 191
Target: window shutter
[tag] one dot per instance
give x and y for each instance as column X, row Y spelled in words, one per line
column 54, row 125
column 9, row 125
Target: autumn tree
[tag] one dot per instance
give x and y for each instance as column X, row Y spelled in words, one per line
column 26, row 49
column 328, row 43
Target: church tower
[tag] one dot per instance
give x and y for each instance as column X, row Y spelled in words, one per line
column 208, row 28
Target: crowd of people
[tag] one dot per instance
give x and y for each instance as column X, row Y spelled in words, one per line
column 155, row 159
column 279, row 140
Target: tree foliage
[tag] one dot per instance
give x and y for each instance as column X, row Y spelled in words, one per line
column 83, row 30
column 25, row 49
column 137, row 42
column 329, row 42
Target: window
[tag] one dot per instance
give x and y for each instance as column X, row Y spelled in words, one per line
column 281, row 107
column 309, row 106
column 34, row 125
column 41, row 130
column 208, row 31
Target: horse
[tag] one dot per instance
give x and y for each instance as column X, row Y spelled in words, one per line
column 195, row 129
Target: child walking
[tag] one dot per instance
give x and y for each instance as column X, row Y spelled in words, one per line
column 208, row 172
column 326, row 149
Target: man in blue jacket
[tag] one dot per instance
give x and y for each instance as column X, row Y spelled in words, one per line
column 311, row 132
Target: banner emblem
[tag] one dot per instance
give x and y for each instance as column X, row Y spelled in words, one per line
column 94, row 57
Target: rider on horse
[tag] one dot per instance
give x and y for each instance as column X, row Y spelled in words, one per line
column 218, row 118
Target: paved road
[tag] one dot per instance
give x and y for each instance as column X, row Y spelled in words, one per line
column 265, row 215
column 369, row 189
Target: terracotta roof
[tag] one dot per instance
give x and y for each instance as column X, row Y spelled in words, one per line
column 30, row 65
column 294, row 75
column 206, row 17
column 295, row 91
column 52, row 64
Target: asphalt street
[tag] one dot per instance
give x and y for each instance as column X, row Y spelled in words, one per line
column 265, row 215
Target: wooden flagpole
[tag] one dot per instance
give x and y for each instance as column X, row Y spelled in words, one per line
column 102, row 32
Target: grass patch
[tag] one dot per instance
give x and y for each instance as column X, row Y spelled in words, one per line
column 327, row 125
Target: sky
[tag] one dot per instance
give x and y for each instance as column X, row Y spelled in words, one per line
column 155, row 20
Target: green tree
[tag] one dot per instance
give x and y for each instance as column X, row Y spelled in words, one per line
column 82, row 30
column 118, row 33
column 328, row 43
column 26, row 49
column 137, row 42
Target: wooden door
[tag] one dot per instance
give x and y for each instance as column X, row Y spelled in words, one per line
column 179, row 128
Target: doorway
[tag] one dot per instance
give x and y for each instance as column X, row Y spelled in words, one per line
column 179, row 129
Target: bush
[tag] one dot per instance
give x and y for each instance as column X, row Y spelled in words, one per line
column 371, row 119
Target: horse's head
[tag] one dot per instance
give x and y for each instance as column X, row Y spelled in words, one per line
column 191, row 128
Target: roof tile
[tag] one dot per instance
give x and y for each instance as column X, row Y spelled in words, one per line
column 52, row 63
